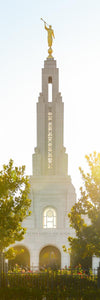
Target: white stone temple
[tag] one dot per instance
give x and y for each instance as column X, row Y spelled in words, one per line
column 52, row 191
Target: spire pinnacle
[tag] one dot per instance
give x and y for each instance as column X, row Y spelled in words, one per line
column 50, row 37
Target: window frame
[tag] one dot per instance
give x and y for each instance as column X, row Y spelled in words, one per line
column 49, row 222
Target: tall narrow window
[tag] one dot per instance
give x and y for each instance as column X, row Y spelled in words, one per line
column 49, row 92
column 49, row 218
column 50, row 162
column 49, row 89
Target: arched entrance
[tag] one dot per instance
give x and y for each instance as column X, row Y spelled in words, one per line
column 50, row 257
column 22, row 258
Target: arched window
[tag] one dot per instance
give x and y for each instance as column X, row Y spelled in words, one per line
column 49, row 218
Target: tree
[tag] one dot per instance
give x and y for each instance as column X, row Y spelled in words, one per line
column 85, row 214
column 14, row 205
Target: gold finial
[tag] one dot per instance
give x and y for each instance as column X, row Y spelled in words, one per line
column 50, row 37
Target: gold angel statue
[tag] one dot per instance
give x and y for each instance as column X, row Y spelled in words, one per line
column 50, row 37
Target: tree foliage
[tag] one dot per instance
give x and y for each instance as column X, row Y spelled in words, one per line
column 85, row 214
column 14, row 204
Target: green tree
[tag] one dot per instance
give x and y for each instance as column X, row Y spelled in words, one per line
column 85, row 214
column 14, row 205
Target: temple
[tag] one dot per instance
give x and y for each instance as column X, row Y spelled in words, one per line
column 52, row 191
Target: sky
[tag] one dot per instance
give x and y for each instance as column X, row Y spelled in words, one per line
column 23, row 49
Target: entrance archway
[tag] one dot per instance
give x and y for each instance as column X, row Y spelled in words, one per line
column 50, row 257
column 22, row 258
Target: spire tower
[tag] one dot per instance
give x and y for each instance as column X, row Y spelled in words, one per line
column 50, row 157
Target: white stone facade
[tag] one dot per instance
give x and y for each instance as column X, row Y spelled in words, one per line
column 51, row 187
column 95, row 262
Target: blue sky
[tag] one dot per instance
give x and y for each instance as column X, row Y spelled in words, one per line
column 23, row 49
